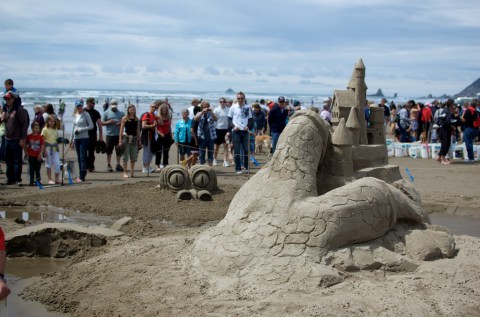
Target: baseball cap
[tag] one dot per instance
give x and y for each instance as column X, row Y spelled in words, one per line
column 296, row 103
column 281, row 99
column 79, row 103
column 90, row 99
column 114, row 103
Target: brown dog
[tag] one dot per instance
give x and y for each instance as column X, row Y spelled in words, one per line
column 263, row 144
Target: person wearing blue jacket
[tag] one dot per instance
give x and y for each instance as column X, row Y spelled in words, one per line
column 182, row 135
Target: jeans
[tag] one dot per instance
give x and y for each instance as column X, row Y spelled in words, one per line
column 240, row 144
column 81, row 145
column 468, row 136
column 147, row 153
column 206, row 146
column 13, row 160
column 275, row 137
column 91, row 151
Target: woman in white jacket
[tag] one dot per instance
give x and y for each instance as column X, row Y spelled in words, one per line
column 81, row 124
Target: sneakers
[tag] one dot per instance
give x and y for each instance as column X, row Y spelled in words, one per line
column 148, row 170
column 78, row 180
column 109, row 168
column 19, row 184
column 119, row 168
column 225, row 164
column 215, row 163
column 469, row 161
column 246, row 171
column 238, row 172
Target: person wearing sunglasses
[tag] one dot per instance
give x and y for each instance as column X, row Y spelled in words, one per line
column 241, row 121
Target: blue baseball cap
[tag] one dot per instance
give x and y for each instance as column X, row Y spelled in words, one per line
column 79, row 103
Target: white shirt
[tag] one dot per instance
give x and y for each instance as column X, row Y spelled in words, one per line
column 222, row 117
column 240, row 115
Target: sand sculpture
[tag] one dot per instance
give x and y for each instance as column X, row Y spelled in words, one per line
column 313, row 212
column 196, row 183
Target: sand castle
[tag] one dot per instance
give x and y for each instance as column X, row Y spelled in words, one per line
column 315, row 211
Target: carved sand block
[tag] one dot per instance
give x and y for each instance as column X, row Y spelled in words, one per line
column 175, row 178
column 203, row 177
column 281, row 224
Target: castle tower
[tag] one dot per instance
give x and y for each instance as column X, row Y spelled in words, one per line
column 354, row 126
column 361, row 99
column 341, row 160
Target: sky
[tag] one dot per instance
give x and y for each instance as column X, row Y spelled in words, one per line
column 409, row 47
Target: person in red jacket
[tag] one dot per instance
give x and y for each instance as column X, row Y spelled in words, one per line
column 4, row 289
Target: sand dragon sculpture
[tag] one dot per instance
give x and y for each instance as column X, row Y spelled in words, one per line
column 305, row 218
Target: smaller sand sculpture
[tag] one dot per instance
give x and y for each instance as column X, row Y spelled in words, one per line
column 196, row 183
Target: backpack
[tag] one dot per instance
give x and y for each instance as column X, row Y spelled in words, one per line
column 475, row 119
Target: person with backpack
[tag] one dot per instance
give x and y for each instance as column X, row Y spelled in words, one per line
column 471, row 121
column 445, row 131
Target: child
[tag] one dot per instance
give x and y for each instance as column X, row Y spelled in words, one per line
column 34, row 147
column 50, row 135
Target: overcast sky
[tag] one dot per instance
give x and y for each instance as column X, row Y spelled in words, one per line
column 412, row 47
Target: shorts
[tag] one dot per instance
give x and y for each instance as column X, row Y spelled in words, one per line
column 184, row 149
column 194, row 147
column 220, row 136
column 112, row 141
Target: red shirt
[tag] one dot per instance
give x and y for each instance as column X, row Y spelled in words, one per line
column 165, row 128
column 2, row 240
column 34, row 145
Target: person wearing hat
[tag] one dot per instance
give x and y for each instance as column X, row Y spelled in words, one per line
column 112, row 119
column 16, row 126
column 82, row 123
column 277, row 120
column 92, row 134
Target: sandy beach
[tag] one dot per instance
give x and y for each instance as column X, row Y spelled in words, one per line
column 145, row 272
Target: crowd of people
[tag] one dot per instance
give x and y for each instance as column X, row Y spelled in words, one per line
column 202, row 131
column 443, row 122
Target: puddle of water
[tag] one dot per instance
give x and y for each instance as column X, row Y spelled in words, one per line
column 33, row 215
column 20, row 269
column 457, row 224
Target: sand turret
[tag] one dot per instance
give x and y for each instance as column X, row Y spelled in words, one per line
column 341, row 160
column 361, row 99
column 354, row 126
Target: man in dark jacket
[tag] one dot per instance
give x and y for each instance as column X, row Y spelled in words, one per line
column 277, row 120
column 16, row 127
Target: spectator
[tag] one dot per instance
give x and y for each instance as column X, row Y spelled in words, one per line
column 50, row 135
column 240, row 118
column 206, row 132
column 81, row 124
column 182, row 136
column 470, row 132
column 16, row 127
column 445, row 131
column 149, row 123
column 92, row 134
column 221, row 112
column 111, row 119
column 164, row 137
column 277, row 120
column 35, row 146
column 129, row 138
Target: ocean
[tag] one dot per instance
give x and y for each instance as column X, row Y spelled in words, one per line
column 143, row 98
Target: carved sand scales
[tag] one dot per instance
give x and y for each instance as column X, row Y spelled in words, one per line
column 313, row 214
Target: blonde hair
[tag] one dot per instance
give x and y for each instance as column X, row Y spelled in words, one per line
column 57, row 121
